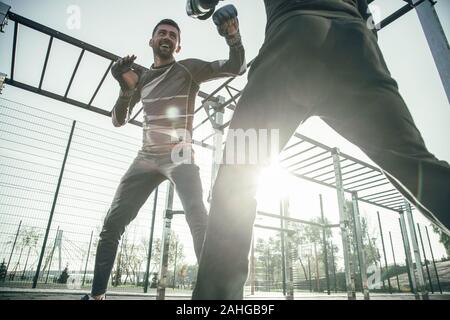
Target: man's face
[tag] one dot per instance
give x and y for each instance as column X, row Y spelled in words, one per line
column 165, row 41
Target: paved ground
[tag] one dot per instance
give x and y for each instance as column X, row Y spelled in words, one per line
column 40, row 294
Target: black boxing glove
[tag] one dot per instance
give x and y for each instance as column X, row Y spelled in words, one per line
column 120, row 67
column 208, row 4
column 227, row 24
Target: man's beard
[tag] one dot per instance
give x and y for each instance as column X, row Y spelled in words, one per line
column 163, row 54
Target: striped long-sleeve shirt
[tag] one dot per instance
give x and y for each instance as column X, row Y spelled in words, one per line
column 168, row 96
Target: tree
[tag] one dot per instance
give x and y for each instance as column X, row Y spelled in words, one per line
column 443, row 238
column 307, row 234
column 175, row 243
column 269, row 259
column 3, row 271
column 27, row 240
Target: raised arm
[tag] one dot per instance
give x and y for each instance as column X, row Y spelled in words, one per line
column 227, row 25
column 128, row 96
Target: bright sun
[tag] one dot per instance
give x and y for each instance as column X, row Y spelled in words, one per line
column 275, row 183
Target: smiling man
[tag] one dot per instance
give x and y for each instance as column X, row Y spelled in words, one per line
column 167, row 91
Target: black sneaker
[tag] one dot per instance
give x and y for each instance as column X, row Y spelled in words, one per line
column 89, row 297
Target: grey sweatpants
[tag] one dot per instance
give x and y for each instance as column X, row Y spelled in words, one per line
column 332, row 68
column 141, row 179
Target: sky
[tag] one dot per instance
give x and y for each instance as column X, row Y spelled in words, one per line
column 125, row 28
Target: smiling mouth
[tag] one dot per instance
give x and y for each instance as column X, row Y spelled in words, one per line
column 165, row 46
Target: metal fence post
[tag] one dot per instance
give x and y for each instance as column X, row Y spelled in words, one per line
column 50, row 219
column 408, row 258
column 395, row 262
column 425, row 259
column 150, row 243
column 434, row 263
column 87, row 259
column 415, row 244
column 344, row 225
column 283, row 247
column 325, row 249
column 360, row 247
column 165, row 244
column 384, row 253
column 289, row 279
column 334, row 267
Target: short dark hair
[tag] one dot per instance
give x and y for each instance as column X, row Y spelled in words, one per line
column 169, row 22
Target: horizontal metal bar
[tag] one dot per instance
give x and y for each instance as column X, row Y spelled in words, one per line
column 208, row 136
column 332, row 171
column 309, row 158
column 302, row 152
column 226, row 124
column 348, row 185
column 312, row 141
column 380, row 193
column 237, row 90
column 334, row 187
column 200, row 124
column 398, row 14
column 58, row 97
column 314, row 170
column 44, row 69
column 361, row 174
column 271, row 215
column 392, row 202
column 348, row 172
column 397, row 196
column 293, row 145
column 378, row 185
column 273, row 228
column 18, row 19
column 359, row 180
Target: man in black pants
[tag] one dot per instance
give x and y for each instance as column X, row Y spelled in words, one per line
column 168, row 91
column 319, row 58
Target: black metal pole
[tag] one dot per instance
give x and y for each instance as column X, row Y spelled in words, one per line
column 325, row 253
column 356, row 248
column 395, row 262
column 13, row 247
column 50, row 219
column 384, row 253
column 150, row 245
column 425, row 258
column 434, row 263
column 87, row 259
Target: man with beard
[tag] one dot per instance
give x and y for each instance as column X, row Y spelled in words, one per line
column 319, row 58
column 168, row 91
